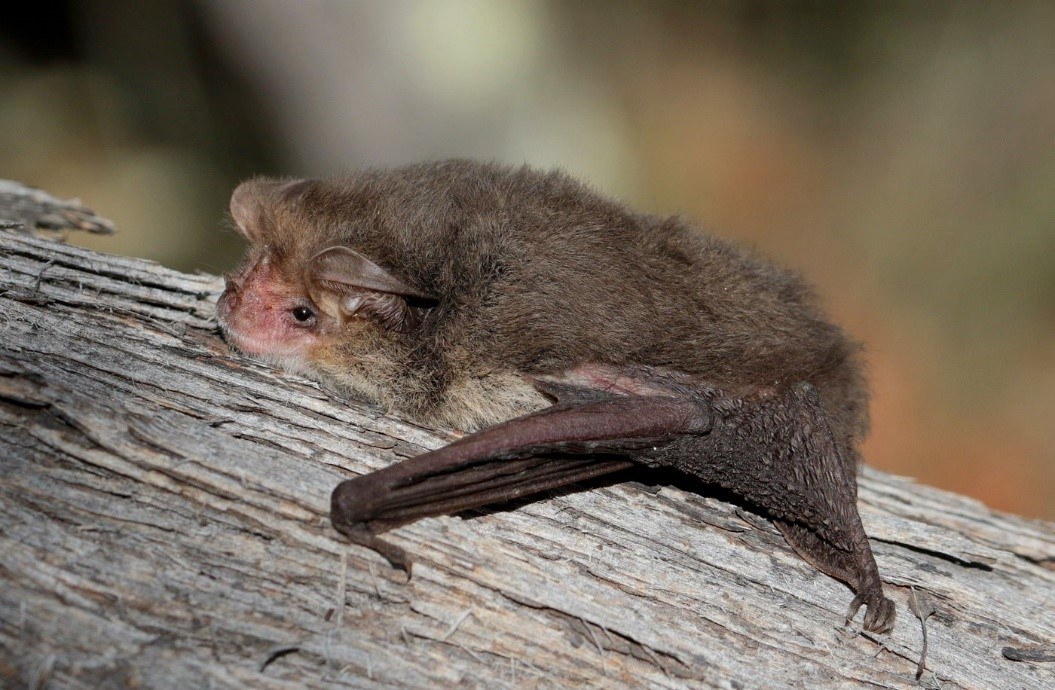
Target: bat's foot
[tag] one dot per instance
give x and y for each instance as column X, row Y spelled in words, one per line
column 880, row 616
column 853, row 568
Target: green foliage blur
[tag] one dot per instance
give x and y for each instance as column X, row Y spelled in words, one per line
column 901, row 155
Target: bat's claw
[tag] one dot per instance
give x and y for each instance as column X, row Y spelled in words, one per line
column 395, row 556
column 346, row 514
column 880, row 616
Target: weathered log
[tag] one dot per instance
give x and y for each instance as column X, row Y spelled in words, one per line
column 164, row 524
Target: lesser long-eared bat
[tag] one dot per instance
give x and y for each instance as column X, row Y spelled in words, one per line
column 574, row 336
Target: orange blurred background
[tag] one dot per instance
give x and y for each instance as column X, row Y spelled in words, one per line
column 900, row 155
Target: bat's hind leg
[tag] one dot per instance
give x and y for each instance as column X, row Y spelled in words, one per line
column 844, row 553
column 849, row 568
column 776, row 450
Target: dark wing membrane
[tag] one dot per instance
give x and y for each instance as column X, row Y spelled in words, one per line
column 558, row 446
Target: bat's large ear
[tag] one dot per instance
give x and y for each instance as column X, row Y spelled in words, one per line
column 343, row 282
column 251, row 199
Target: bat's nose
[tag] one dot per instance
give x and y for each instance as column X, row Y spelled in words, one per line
column 230, row 298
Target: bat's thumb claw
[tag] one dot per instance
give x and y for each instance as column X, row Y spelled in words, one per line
column 350, row 512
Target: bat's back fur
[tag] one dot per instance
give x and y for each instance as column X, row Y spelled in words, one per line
column 536, row 273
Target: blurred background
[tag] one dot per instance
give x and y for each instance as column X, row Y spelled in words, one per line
column 900, row 155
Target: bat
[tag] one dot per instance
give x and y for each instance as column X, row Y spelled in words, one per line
column 573, row 336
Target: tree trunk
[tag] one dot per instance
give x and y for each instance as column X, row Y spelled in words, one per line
column 164, row 524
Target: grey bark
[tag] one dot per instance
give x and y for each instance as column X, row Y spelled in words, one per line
column 164, row 524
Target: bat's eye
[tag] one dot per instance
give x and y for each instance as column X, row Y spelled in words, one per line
column 303, row 314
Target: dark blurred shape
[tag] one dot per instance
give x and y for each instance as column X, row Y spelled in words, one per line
column 39, row 32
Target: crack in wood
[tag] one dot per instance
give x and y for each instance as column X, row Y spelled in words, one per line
column 941, row 555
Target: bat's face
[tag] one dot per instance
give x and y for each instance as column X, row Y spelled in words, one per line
column 306, row 301
column 266, row 309
column 264, row 313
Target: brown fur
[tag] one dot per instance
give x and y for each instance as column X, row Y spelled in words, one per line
column 536, row 273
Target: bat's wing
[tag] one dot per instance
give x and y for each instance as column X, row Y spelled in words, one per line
column 588, row 433
column 773, row 448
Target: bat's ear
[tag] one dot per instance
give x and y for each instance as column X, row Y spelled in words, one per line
column 346, row 267
column 343, row 281
column 253, row 197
